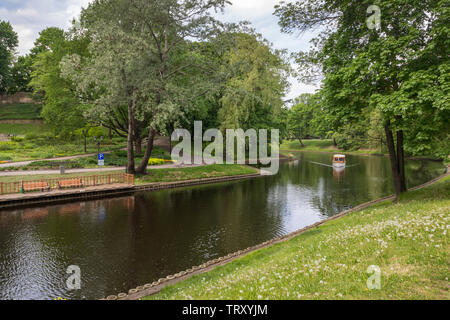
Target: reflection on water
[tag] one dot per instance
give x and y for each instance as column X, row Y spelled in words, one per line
column 129, row 241
column 338, row 173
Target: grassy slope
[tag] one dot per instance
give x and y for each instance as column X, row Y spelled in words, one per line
column 23, row 129
column 320, row 145
column 212, row 171
column 408, row 241
column 20, row 111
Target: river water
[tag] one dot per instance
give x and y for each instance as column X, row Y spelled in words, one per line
column 125, row 242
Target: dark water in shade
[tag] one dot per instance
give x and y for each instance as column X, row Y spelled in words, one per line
column 129, row 241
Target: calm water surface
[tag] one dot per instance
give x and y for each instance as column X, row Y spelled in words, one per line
column 129, row 241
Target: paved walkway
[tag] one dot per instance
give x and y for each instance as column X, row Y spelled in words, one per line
column 25, row 163
column 92, row 170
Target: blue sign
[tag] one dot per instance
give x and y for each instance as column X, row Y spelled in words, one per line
column 101, row 159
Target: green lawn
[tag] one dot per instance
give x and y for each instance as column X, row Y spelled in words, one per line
column 212, row 171
column 23, row 129
column 325, row 145
column 408, row 241
column 20, row 111
column 43, row 145
column 117, row 158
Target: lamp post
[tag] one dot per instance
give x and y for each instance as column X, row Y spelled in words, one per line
column 98, row 141
column 101, row 161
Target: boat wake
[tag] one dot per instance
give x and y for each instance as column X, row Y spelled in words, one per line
column 331, row 166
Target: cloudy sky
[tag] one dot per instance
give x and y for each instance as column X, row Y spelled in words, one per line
column 28, row 17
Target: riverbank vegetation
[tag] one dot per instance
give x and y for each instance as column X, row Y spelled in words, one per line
column 324, row 145
column 381, row 83
column 191, row 173
column 408, row 241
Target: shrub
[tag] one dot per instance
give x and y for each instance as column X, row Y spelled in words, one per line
column 17, row 139
column 6, row 145
column 31, row 136
column 120, row 153
column 156, row 162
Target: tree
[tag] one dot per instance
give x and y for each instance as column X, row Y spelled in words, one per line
column 254, row 89
column 398, row 68
column 21, row 74
column 152, row 63
column 62, row 109
column 8, row 44
column 300, row 118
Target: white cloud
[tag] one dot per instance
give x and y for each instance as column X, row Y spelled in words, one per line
column 260, row 14
column 29, row 17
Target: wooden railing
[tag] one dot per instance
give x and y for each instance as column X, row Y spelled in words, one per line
column 64, row 183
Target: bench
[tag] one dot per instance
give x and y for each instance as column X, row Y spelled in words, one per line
column 72, row 183
column 33, row 186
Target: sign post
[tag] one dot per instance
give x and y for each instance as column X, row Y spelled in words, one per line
column 101, row 159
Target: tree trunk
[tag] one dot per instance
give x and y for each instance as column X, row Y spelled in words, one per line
column 130, row 165
column 393, row 159
column 138, row 143
column 401, row 161
column 301, row 142
column 148, row 152
column 334, row 142
column 300, row 139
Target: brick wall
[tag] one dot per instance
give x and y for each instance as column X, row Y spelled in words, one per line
column 20, row 97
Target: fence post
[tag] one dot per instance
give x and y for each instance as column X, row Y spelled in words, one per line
column 94, row 179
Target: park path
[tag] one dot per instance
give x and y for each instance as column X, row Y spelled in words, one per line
column 27, row 162
column 93, row 170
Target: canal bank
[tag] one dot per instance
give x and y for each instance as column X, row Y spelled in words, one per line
column 128, row 240
column 97, row 192
column 196, row 282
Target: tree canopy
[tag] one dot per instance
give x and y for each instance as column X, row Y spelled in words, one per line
column 399, row 69
column 8, row 43
column 62, row 109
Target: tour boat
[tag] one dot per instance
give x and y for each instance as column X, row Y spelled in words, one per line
column 339, row 161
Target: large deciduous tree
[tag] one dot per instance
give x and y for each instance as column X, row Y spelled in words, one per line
column 399, row 68
column 255, row 85
column 300, row 118
column 62, row 109
column 8, row 44
column 144, row 64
